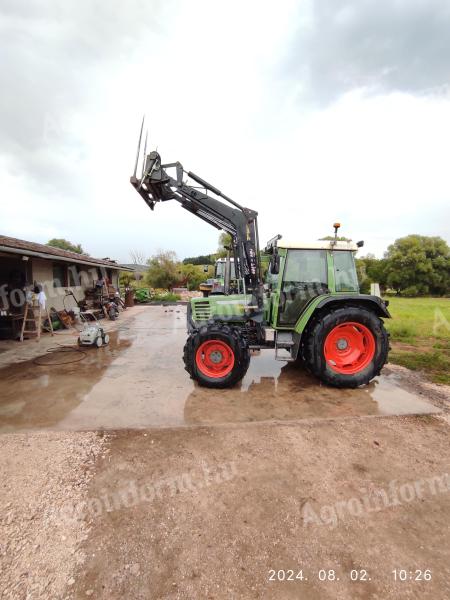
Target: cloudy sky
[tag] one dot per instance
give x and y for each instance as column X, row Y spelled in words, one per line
column 308, row 112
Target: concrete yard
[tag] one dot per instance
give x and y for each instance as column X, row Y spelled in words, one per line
column 121, row 478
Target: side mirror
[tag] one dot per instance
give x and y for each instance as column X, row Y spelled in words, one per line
column 275, row 264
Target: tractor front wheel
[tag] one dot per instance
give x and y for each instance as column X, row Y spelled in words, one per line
column 216, row 356
column 346, row 347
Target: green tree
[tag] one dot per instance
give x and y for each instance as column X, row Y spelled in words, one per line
column 203, row 259
column 225, row 239
column 163, row 270
column 418, row 265
column 66, row 245
column 370, row 270
column 126, row 278
column 192, row 276
column 376, row 269
column 363, row 279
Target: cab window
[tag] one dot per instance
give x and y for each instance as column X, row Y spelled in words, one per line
column 345, row 272
column 304, row 278
column 306, row 266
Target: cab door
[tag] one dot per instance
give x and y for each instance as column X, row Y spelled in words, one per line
column 305, row 276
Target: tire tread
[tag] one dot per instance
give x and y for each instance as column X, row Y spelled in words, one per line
column 320, row 326
column 237, row 343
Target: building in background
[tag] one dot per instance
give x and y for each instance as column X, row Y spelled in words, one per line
column 26, row 264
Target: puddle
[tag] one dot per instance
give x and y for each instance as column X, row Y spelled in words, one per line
column 38, row 396
column 139, row 381
column 285, row 391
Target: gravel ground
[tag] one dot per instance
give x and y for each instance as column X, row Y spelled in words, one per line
column 241, row 514
column 42, row 475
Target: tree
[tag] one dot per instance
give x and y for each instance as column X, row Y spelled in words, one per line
column 163, row 270
column 126, row 278
column 418, row 265
column 225, row 239
column 363, row 279
column 210, row 259
column 370, row 270
column 192, row 276
column 66, row 245
column 137, row 257
column 203, row 259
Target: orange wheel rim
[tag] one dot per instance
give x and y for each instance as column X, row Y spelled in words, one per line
column 214, row 358
column 349, row 348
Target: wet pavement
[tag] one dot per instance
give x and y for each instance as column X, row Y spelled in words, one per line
column 139, row 381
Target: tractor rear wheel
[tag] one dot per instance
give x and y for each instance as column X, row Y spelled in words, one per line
column 346, row 347
column 216, row 356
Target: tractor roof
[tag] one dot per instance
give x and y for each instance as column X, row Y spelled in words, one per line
column 320, row 245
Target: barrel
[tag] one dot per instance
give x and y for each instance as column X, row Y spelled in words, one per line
column 129, row 297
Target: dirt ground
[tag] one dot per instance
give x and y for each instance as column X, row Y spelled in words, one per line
column 121, row 478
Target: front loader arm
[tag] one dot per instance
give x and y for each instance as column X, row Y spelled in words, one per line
column 156, row 185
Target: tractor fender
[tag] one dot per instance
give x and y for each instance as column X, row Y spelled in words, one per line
column 374, row 303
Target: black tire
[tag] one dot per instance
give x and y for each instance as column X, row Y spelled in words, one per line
column 112, row 314
column 315, row 336
column 229, row 336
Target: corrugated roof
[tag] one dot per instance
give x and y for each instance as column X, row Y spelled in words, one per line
column 50, row 252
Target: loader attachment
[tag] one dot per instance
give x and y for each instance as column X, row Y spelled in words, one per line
column 161, row 182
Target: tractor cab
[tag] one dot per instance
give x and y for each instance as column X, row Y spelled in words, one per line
column 300, row 272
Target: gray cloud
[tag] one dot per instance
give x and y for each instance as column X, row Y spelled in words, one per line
column 385, row 45
column 75, row 76
column 52, row 56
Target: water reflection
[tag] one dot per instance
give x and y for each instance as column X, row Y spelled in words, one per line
column 36, row 396
column 286, row 391
column 139, row 381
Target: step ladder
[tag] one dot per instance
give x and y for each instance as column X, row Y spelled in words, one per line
column 284, row 341
column 30, row 317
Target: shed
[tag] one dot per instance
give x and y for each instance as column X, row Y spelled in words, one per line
column 24, row 264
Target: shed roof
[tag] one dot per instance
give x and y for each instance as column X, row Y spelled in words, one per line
column 25, row 248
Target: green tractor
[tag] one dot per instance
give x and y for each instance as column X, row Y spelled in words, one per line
column 306, row 307
column 312, row 312
column 224, row 278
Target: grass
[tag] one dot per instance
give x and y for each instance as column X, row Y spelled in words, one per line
column 420, row 335
column 146, row 294
column 167, row 297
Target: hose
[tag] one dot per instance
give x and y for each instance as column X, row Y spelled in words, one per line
column 61, row 348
